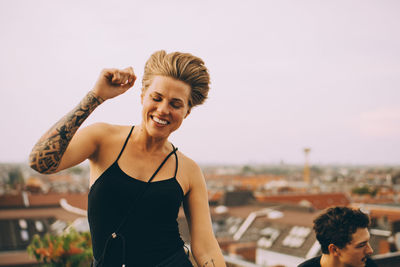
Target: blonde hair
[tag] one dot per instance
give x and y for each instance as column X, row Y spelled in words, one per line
column 181, row 66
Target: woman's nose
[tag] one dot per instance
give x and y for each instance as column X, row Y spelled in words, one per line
column 162, row 107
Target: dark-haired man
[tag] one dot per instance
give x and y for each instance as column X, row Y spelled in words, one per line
column 344, row 238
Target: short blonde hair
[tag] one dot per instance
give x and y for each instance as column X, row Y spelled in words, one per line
column 181, row 66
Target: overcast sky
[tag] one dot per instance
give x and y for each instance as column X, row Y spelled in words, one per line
column 285, row 74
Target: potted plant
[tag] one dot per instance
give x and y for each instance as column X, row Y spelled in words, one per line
column 71, row 249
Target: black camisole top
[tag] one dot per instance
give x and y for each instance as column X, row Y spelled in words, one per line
column 149, row 233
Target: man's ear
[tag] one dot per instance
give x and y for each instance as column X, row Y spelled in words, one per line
column 333, row 250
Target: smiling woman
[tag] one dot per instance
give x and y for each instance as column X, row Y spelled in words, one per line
column 165, row 105
column 138, row 178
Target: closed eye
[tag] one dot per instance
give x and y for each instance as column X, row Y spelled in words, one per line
column 361, row 245
column 176, row 105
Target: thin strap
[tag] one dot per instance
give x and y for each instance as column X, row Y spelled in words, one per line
column 126, row 141
column 176, row 161
column 134, row 203
column 162, row 164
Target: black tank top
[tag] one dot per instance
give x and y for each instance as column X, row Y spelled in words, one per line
column 149, row 233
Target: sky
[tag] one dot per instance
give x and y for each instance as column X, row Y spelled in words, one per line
column 285, row 75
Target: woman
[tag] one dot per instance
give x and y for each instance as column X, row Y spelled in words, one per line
column 138, row 179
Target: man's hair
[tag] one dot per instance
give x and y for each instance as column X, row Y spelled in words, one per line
column 181, row 66
column 337, row 225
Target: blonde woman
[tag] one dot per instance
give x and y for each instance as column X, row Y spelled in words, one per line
column 138, row 179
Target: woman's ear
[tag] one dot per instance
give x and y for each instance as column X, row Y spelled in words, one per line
column 141, row 96
column 188, row 112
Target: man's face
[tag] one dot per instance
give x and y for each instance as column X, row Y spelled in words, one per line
column 356, row 252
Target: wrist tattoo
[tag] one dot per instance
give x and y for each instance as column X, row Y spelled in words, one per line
column 46, row 154
column 209, row 263
column 98, row 98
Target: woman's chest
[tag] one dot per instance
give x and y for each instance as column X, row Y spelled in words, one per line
column 117, row 193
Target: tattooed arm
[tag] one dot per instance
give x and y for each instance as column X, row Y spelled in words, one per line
column 46, row 155
column 204, row 245
column 53, row 151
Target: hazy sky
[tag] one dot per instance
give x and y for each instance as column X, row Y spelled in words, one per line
column 285, row 74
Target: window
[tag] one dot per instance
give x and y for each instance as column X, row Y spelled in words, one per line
column 22, row 224
column 24, row 235
column 296, row 236
column 269, row 235
column 39, row 226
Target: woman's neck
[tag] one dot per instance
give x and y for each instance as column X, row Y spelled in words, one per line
column 147, row 143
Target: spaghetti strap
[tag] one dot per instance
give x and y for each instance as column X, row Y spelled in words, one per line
column 126, row 141
column 162, row 163
column 176, row 161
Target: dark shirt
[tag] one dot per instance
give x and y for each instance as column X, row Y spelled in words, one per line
column 315, row 262
column 151, row 232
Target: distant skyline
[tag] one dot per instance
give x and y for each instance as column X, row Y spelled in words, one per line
column 285, row 74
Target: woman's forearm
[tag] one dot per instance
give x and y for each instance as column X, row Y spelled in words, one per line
column 212, row 261
column 209, row 256
column 46, row 155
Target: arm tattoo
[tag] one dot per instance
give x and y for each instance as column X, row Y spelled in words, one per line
column 209, row 263
column 48, row 151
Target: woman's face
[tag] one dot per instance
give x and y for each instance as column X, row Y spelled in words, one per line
column 165, row 105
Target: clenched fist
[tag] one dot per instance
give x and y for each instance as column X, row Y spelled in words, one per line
column 114, row 82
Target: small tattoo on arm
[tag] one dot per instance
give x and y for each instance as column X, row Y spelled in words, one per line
column 209, row 263
column 48, row 151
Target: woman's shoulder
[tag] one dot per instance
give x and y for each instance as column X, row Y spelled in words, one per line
column 188, row 165
column 102, row 129
column 103, row 126
column 108, row 138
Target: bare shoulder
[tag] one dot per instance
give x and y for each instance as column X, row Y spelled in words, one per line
column 110, row 139
column 102, row 128
column 107, row 137
column 190, row 170
column 105, row 131
column 188, row 163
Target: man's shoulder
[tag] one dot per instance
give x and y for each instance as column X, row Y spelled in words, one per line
column 313, row 262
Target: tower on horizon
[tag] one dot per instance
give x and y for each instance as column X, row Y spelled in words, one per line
column 306, row 174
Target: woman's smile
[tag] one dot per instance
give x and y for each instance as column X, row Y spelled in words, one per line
column 158, row 120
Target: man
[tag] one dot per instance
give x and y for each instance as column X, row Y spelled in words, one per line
column 344, row 238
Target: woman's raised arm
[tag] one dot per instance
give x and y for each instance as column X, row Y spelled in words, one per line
column 47, row 153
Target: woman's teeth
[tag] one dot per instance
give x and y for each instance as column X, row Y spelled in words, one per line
column 160, row 121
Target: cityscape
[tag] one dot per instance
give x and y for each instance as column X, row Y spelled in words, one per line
column 302, row 114
column 262, row 215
